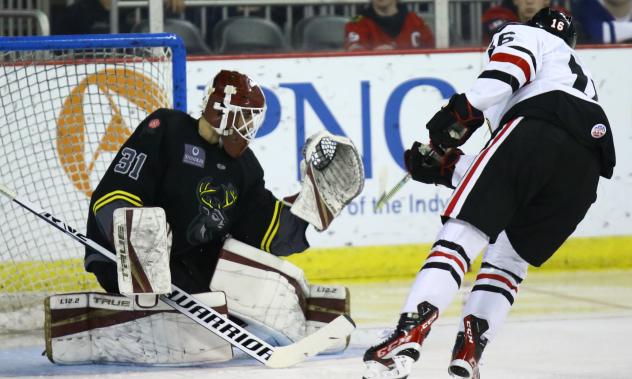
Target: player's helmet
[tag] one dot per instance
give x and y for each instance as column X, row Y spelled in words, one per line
column 557, row 23
column 235, row 107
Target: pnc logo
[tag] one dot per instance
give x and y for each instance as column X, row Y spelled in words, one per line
column 119, row 86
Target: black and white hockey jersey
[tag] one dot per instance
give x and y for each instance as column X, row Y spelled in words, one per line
column 533, row 73
column 206, row 194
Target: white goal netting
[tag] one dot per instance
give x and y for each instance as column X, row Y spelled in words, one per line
column 63, row 115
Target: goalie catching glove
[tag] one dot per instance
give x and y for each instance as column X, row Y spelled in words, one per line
column 453, row 125
column 430, row 164
column 332, row 175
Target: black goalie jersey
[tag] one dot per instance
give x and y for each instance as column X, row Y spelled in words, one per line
column 205, row 193
column 533, row 73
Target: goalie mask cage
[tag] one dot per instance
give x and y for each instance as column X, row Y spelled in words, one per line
column 67, row 103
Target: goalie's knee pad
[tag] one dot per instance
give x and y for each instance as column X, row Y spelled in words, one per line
column 266, row 292
column 324, row 304
column 99, row 327
column 272, row 296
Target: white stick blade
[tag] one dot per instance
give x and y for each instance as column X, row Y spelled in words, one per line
column 324, row 338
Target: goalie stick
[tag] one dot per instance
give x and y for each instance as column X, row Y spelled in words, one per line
column 274, row 357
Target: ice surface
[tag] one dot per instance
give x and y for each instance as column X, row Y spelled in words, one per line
column 563, row 325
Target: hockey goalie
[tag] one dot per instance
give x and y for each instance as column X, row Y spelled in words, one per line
column 184, row 202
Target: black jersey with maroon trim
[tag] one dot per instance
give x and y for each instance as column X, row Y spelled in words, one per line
column 535, row 74
column 206, row 194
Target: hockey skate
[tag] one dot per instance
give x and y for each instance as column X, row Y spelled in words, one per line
column 468, row 349
column 394, row 357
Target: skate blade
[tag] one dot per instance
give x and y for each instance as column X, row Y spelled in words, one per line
column 401, row 368
column 460, row 368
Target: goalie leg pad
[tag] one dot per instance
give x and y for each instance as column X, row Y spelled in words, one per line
column 324, row 304
column 86, row 327
column 332, row 174
column 266, row 292
column 273, row 297
column 142, row 242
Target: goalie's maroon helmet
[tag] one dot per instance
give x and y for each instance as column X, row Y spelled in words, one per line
column 556, row 22
column 235, row 108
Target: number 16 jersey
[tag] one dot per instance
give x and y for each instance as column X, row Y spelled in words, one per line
column 533, row 73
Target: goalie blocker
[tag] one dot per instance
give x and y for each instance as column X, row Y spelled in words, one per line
column 269, row 296
column 142, row 240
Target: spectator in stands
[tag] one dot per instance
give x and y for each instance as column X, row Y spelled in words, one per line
column 385, row 24
column 81, row 17
column 93, row 16
column 509, row 11
column 604, row 21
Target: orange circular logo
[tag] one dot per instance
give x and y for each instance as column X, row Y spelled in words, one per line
column 117, row 85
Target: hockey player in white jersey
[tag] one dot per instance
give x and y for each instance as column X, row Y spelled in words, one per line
column 518, row 200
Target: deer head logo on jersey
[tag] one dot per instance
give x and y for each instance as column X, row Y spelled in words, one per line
column 234, row 105
column 214, row 200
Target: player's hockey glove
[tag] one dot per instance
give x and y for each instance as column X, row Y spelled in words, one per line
column 454, row 123
column 430, row 164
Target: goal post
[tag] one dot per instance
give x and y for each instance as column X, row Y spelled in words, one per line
column 67, row 103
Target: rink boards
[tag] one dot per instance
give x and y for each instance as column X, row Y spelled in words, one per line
column 382, row 102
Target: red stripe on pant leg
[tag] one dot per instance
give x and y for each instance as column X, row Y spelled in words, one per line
column 500, row 278
column 446, row 255
column 468, row 177
column 513, row 59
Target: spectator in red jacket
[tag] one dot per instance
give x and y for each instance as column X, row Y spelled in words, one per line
column 385, row 24
column 509, row 11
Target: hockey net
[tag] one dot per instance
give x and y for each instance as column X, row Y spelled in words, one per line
column 64, row 112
